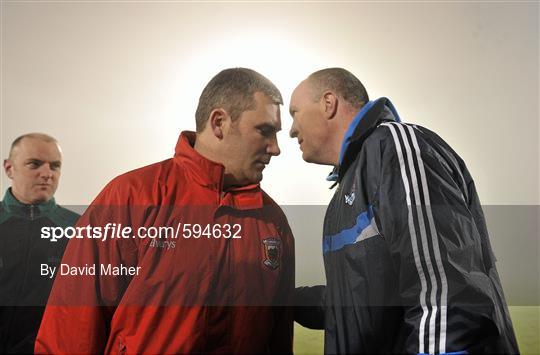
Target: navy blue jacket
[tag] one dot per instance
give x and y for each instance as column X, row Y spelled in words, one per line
column 409, row 266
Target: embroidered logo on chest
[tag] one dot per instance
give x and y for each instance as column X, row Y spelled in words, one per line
column 272, row 252
column 349, row 199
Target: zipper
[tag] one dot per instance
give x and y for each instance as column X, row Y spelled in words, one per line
column 20, row 287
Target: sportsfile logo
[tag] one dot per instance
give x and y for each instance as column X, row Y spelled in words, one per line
column 120, row 231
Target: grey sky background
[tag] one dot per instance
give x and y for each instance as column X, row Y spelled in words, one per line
column 116, row 82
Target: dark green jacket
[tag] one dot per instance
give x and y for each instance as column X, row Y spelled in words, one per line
column 23, row 288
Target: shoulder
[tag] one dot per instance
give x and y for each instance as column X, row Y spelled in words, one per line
column 397, row 137
column 274, row 211
column 68, row 217
column 405, row 137
column 3, row 213
column 138, row 185
column 387, row 133
column 404, row 134
column 269, row 203
column 141, row 176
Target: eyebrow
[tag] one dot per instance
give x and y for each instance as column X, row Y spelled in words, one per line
column 39, row 161
column 292, row 110
column 269, row 126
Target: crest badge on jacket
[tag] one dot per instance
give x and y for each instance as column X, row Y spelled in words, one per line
column 272, row 251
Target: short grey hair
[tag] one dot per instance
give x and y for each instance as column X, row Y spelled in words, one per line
column 341, row 82
column 233, row 90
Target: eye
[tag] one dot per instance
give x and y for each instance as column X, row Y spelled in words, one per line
column 266, row 131
column 33, row 164
column 292, row 112
column 55, row 166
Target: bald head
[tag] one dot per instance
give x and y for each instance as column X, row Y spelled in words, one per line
column 322, row 108
column 341, row 82
column 37, row 136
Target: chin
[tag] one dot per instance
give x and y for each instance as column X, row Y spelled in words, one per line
column 256, row 178
column 309, row 158
column 315, row 160
column 41, row 198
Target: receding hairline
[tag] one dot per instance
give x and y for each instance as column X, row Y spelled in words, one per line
column 341, row 82
column 309, row 84
column 35, row 135
column 315, row 88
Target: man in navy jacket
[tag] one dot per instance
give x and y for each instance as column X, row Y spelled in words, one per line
column 408, row 261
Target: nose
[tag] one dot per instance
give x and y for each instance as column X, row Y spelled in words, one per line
column 294, row 131
column 46, row 172
column 273, row 147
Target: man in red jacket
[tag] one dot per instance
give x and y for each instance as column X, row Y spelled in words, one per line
column 187, row 255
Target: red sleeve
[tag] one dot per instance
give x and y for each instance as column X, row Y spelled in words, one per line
column 80, row 307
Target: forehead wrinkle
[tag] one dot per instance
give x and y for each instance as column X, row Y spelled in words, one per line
column 51, row 149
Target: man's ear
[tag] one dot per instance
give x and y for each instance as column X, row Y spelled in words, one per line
column 218, row 120
column 329, row 104
column 8, row 168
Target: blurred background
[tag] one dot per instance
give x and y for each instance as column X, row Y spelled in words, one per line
column 117, row 81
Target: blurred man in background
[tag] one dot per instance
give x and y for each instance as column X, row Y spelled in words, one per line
column 33, row 166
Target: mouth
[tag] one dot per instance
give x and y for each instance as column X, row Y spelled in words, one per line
column 261, row 164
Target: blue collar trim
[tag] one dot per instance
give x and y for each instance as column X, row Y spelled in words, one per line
column 333, row 176
column 356, row 120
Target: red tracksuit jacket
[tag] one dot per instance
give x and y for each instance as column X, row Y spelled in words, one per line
column 211, row 293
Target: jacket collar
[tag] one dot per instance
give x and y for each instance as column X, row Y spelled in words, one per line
column 14, row 206
column 366, row 120
column 210, row 174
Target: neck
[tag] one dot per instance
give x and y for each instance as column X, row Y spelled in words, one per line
column 228, row 181
column 204, row 148
column 335, row 148
column 20, row 199
column 337, row 140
